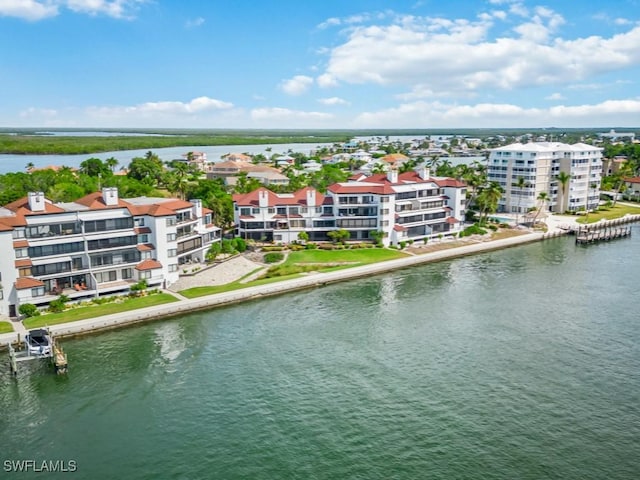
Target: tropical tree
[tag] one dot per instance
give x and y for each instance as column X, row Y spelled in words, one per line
column 111, row 163
column 94, row 167
column 340, row 235
column 563, row 179
column 146, row 169
column 543, row 198
column 520, row 184
column 488, row 199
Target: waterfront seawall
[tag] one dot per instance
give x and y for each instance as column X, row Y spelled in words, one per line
column 311, row 280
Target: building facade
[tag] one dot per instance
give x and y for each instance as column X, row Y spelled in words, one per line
column 98, row 245
column 539, row 164
column 404, row 207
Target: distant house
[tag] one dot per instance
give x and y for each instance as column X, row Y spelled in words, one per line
column 196, row 159
column 632, row 186
column 230, row 169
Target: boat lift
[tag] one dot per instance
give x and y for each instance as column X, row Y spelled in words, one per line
column 55, row 354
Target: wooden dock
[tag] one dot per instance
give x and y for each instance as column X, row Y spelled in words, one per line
column 593, row 234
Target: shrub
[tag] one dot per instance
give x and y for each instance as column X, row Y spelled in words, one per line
column 311, row 246
column 275, row 248
column 492, row 227
column 402, row 245
column 240, row 244
column 325, row 246
column 29, row 310
column 273, row 257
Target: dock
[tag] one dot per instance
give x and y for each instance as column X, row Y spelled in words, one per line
column 593, row 234
column 55, row 356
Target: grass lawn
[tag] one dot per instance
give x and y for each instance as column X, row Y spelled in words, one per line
column 82, row 313
column 6, row 327
column 361, row 256
column 609, row 213
column 316, row 260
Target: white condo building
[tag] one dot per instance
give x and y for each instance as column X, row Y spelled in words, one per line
column 98, row 245
column 406, row 206
column 539, row 164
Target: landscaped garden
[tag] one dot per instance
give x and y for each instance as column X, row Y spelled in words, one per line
column 92, row 311
column 609, row 213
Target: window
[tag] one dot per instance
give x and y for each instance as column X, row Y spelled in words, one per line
column 171, row 237
column 173, row 267
column 145, row 255
column 255, row 211
column 171, row 221
column 146, row 274
column 138, row 221
column 127, row 273
column 245, row 211
column 37, row 292
column 102, row 277
column 18, row 233
column 144, row 238
column 271, row 210
column 21, row 252
column 172, row 252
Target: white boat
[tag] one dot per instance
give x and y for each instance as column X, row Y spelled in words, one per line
column 38, row 342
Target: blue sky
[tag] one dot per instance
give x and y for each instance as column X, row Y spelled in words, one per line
column 319, row 64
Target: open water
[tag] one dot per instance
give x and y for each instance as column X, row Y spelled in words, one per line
column 517, row 364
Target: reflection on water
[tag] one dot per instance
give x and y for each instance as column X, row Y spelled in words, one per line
column 521, row 363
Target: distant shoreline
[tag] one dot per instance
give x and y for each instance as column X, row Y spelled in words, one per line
column 312, row 280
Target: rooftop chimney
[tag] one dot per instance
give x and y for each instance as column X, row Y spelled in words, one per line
column 423, row 171
column 36, row 201
column 392, row 174
column 311, row 198
column 110, row 196
column 197, row 207
column 263, row 198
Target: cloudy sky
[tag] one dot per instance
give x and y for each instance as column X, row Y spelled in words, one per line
column 319, row 63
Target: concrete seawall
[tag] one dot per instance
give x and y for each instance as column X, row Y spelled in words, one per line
column 311, row 280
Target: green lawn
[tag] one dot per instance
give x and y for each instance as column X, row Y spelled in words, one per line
column 609, row 213
column 6, row 327
column 82, row 313
column 361, row 256
column 315, row 260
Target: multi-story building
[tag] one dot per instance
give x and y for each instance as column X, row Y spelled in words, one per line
column 406, row 206
column 98, row 245
column 539, row 164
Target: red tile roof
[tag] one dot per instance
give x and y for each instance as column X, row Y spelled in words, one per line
column 20, row 244
column 23, row 283
column 23, row 262
column 148, row 265
column 452, row 220
column 140, row 230
column 145, row 247
column 252, row 199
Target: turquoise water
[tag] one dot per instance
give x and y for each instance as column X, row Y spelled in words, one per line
column 517, row 364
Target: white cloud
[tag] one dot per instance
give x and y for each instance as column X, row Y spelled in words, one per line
column 111, row 8
column 277, row 117
column 296, row 85
column 34, row 10
column 31, row 10
column 196, row 22
column 151, row 109
column 333, row 101
column 37, row 114
column 457, row 56
column 555, row 96
column 442, row 115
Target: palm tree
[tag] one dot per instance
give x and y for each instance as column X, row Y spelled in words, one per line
column 112, row 163
column 488, row 199
column 563, row 178
column 520, row 184
column 543, row 198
